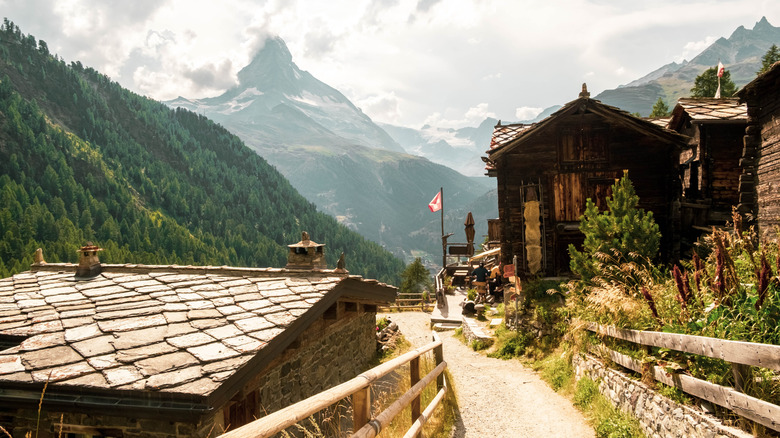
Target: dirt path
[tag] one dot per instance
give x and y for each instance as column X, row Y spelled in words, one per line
column 497, row 397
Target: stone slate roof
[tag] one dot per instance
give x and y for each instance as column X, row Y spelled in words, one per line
column 660, row 121
column 503, row 134
column 711, row 109
column 165, row 329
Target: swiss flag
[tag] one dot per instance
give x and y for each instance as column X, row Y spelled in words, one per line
column 435, row 205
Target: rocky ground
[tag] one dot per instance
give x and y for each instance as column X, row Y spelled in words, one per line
column 497, row 398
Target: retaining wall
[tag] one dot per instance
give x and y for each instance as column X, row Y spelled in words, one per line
column 658, row 415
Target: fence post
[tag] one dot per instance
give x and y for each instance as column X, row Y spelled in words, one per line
column 414, row 374
column 438, row 357
column 361, row 408
column 742, row 374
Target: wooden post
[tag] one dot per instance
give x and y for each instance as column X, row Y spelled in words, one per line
column 361, row 408
column 414, row 374
column 438, row 355
column 741, row 374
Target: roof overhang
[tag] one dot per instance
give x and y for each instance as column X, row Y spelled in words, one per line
column 621, row 117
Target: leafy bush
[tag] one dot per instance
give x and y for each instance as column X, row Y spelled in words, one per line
column 479, row 344
column 510, row 343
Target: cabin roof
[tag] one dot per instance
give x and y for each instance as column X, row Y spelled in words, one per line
column 178, row 332
column 506, row 140
column 708, row 110
column 767, row 78
column 663, row 122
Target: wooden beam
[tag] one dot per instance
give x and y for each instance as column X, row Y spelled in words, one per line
column 745, row 353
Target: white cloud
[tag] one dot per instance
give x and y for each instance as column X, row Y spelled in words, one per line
column 527, row 113
column 693, row 48
column 431, row 58
column 385, row 108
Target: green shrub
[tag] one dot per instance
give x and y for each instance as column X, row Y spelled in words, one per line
column 511, row 344
column 479, row 344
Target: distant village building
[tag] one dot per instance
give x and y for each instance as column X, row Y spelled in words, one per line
column 759, row 186
column 122, row 350
column 545, row 172
column 711, row 166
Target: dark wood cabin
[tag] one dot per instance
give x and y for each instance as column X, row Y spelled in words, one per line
column 710, row 169
column 546, row 171
column 759, row 185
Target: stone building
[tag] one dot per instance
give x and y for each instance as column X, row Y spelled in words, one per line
column 759, row 187
column 120, row 350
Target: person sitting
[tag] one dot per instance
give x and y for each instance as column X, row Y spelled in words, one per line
column 480, row 275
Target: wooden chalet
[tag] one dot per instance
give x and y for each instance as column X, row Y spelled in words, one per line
column 759, row 184
column 710, row 168
column 546, row 171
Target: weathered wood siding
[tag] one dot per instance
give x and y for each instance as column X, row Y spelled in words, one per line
column 579, row 158
column 768, row 188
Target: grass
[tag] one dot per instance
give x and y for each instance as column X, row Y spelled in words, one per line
column 607, row 421
column 444, row 417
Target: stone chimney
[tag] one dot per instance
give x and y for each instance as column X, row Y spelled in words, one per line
column 306, row 254
column 584, row 93
column 89, row 264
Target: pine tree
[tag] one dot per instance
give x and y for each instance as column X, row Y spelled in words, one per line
column 770, row 57
column 706, row 84
column 415, row 278
column 660, row 109
column 624, row 232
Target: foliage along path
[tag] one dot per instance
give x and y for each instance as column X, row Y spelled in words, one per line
column 497, row 397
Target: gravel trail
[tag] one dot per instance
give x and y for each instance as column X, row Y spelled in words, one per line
column 497, row 398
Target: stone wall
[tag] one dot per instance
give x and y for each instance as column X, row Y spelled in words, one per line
column 472, row 331
column 329, row 353
column 658, row 415
column 48, row 426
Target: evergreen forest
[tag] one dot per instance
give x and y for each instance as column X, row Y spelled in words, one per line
column 82, row 159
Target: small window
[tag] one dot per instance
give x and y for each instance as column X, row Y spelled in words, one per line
column 300, row 250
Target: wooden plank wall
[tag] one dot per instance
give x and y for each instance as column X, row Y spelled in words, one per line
column 652, row 168
column 768, row 187
column 724, row 145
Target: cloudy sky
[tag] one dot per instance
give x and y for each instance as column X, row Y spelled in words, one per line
column 449, row 63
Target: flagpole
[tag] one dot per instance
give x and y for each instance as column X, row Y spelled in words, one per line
column 443, row 242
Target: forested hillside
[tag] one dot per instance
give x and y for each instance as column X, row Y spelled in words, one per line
column 82, row 159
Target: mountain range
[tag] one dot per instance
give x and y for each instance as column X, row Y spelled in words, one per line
column 82, row 159
column 740, row 53
column 338, row 158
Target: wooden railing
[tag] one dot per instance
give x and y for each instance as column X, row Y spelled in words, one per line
column 441, row 301
column 359, row 389
column 741, row 355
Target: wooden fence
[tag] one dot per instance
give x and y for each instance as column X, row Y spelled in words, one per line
column 359, row 389
column 741, row 356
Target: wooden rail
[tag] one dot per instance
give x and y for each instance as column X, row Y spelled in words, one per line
column 359, row 389
column 740, row 354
